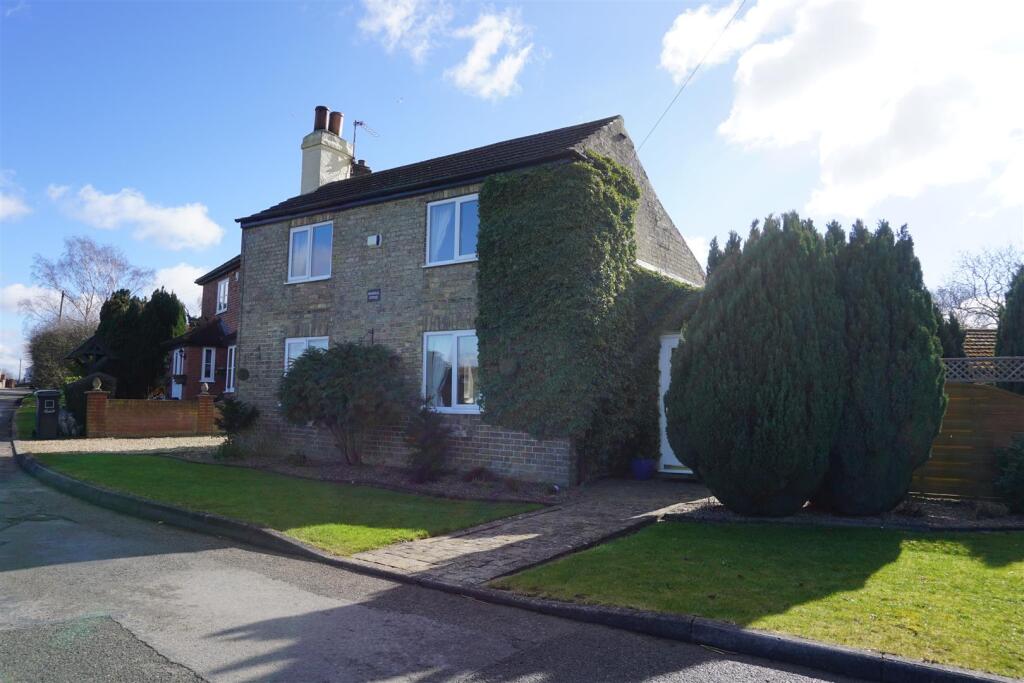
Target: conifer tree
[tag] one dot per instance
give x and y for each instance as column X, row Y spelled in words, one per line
column 714, row 256
column 951, row 335
column 755, row 395
column 893, row 376
column 1010, row 337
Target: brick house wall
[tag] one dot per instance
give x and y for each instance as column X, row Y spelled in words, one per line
column 209, row 307
column 414, row 300
column 193, row 353
column 658, row 242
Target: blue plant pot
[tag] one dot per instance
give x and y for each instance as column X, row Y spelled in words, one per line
column 643, row 468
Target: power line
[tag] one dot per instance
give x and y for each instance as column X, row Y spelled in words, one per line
column 693, row 73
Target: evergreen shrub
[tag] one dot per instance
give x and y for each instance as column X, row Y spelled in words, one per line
column 755, row 396
column 893, row 374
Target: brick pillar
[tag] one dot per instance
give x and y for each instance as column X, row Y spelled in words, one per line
column 205, row 412
column 95, row 413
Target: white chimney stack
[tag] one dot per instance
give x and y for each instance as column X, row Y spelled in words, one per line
column 326, row 156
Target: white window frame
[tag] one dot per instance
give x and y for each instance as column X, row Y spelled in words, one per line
column 178, row 361
column 229, row 380
column 223, row 287
column 203, row 377
column 455, row 408
column 307, row 340
column 309, row 254
column 458, row 202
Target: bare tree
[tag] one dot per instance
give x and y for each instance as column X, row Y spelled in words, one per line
column 87, row 274
column 976, row 290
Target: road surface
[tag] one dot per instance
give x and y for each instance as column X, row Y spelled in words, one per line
column 88, row 594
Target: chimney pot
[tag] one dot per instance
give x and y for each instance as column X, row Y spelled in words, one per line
column 337, row 118
column 320, row 118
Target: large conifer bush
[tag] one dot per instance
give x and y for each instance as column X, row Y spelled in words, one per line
column 893, row 399
column 756, row 384
column 1010, row 337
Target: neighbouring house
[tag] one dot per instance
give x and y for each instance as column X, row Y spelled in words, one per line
column 390, row 257
column 980, row 342
column 206, row 354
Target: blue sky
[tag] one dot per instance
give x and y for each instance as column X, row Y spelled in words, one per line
column 153, row 125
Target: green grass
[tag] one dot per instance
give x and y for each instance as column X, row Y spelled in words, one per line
column 953, row 598
column 25, row 418
column 340, row 518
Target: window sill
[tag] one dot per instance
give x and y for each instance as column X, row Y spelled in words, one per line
column 468, row 410
column 220, row 310
column 307, row 279
column 451, row 263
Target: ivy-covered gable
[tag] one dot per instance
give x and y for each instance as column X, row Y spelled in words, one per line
column 565, row 326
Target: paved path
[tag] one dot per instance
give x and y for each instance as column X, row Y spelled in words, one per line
column 475, row 556
column 87, row 594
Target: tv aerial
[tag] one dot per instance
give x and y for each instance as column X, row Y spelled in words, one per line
column 356, row 125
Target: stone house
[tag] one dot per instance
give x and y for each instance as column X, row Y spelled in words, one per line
column 206, row 354
column 390, row 257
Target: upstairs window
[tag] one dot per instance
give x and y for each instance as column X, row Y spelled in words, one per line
column 309, row 253
column 451, row 230
column 222, row 295
column 296, row 346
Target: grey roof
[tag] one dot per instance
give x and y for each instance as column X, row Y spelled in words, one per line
column 222, row 269
column 563, row 143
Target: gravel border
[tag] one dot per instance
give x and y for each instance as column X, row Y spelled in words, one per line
column 723, row 636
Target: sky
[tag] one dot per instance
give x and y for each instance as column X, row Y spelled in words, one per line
column 151, row 126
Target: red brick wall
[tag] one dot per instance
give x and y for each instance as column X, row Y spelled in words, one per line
column 230, row 316
column 194, row 372
column 139, row 417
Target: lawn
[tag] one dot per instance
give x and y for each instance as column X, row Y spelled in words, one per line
column 953, row 598
column 25, row 418
column 340, row 518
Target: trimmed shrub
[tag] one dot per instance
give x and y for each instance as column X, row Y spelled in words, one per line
column 893, row 375
column 756, row 383
column 1010, row 482
column 427, row 436
column 235, row 416
column 349, row 389
column 1010, row 337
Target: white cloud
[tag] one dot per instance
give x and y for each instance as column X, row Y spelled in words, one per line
column 55, row 192
column 12, row 203
column 897, row 97
column 482, row 72
column 12, row 206
column 411, row 25
column 12, row 295
column 180, row 279
column 172, row 227
column 10, row 355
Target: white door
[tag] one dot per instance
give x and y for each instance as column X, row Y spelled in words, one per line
column 177, row 368
column 669, row 463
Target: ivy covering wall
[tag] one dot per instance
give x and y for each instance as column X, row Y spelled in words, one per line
column 568, row 325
